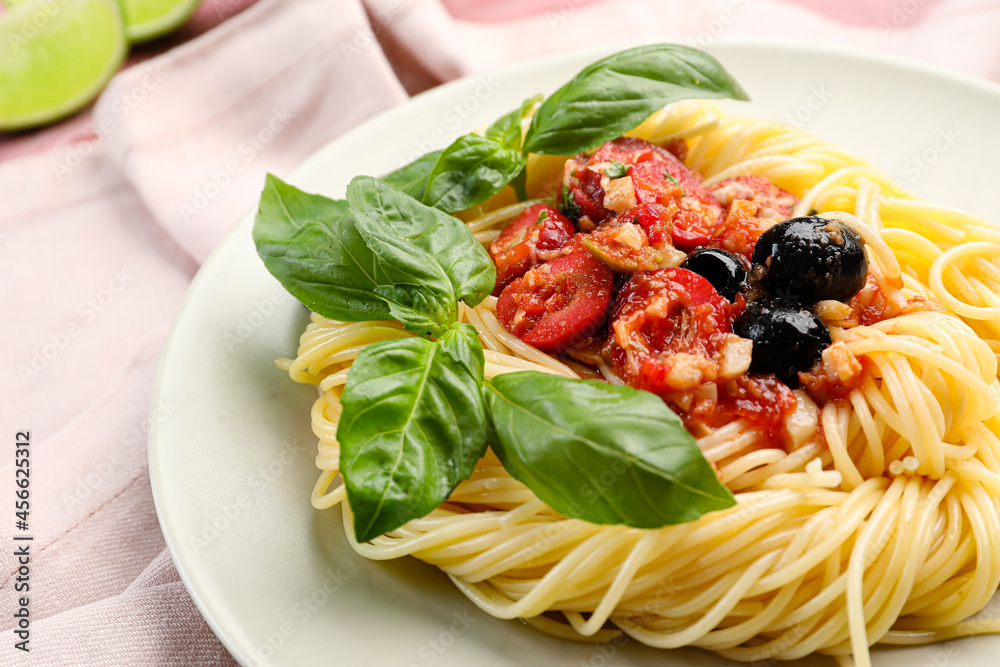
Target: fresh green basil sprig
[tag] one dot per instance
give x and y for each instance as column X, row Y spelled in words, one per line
column 605, row 100
column 417, row 412
column 616, row 94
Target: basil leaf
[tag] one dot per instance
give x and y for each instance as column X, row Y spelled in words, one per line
column 508, row 127
column 413, row 426
column 310, row 244
column 569, row 207
column 470, row 170
column 601, row 453
column 428, row 256
column 412, row 178
column 617, row 170
column 616, row 94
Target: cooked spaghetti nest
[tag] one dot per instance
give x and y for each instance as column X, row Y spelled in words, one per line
column 881, row 526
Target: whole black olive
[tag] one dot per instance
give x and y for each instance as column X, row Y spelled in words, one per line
column 806, row 260
column 786, row 339
column 724, row 270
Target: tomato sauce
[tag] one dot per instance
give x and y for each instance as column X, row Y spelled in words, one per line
column 612, row 291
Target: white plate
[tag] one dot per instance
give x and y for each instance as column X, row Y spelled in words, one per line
column 232, row 467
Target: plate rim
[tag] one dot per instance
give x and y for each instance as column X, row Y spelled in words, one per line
column 154, row 446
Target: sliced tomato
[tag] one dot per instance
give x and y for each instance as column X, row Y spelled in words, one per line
column 771, row 201
column 667, row 330
column 658, row 177
column 693, row 212
column 558, row 305
column 536, row 235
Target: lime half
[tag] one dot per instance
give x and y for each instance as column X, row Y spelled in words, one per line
column 55, row 57
column 146, row 19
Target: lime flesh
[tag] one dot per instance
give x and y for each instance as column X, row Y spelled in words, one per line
column 146, row 19
column 55, row 57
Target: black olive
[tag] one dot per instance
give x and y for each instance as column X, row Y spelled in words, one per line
column 806, row 260
column 724, row 270
column 786, row 339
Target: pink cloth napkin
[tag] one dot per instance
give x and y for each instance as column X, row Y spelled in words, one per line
column 99, row 240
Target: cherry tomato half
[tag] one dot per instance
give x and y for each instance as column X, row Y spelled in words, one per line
column 534, row 236
column 558, row 305
column 695, row 213
column 658, row 177
column 667, row 330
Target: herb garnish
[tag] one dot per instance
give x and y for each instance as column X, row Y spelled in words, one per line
column 617, row 170
column 417, row 411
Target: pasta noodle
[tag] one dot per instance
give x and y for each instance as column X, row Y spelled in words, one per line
column 882, row 526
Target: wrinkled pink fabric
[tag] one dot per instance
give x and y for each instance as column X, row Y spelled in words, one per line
column 99, row 240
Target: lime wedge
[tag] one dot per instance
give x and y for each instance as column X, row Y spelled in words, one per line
column 146, row 19
column 55, row 57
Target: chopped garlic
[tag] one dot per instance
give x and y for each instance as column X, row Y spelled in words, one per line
column 840, row 363
column 685, row 371
column 671, row 257
column 620, row 194
column 629, row 235
column 735, row 358
column 802, row 424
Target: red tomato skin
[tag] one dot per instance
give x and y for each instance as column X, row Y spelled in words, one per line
column 584, row 188
column 656, row 220
column 697, row 211
column 558, row 305
column 694, row 212
column 519, row 245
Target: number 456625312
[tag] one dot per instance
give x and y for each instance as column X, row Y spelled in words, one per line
column 22, row 477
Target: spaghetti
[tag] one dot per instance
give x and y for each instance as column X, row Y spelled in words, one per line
column 880, row 524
